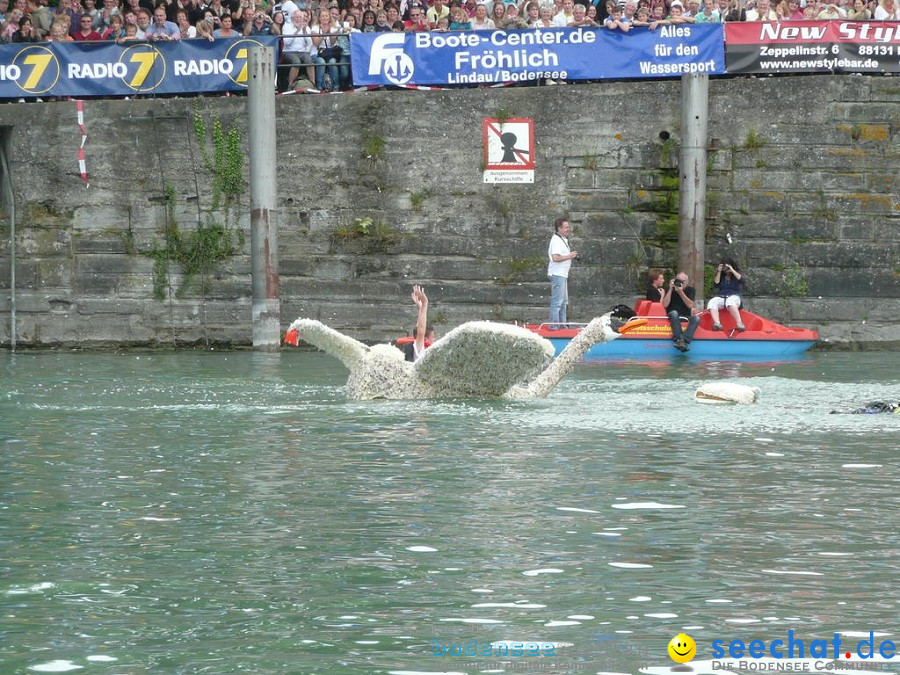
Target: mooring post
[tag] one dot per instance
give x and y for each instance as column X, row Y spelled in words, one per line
column 692, row 183
column 263, row 211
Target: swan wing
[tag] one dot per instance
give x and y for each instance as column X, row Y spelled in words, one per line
column 482, row 359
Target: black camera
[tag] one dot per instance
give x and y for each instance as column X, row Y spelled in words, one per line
column 679, row 283
column 577, row 258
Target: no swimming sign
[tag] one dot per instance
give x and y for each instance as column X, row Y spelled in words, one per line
column 508, row 150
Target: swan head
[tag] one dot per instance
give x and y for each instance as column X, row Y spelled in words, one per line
column 606, row 328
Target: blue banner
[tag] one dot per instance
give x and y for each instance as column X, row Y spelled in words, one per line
column 108, row 69
column 488, row 56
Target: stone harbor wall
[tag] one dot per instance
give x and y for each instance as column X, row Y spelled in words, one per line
column 384, row 189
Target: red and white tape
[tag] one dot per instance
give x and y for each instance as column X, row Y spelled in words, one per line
column 82, row 165
column 371, row 87
column 313, row 90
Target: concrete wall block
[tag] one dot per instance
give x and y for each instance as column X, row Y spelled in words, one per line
column 119, row 306
column 887, row 230
column 869, row 113
column 28, row 301
column 115, row 244
column 109, row 264
column 95, row 284
column 580, row 178
column 850, row 159
column 52, row 273
column 881, row 182
column 644, row 155
column 308, row 264
column 866, row 202
column 830, row 205
column 843, row 256
column 788, row 181
column 596, row 200
column 791, row 133
column 850, row 283
column 26, row 273
column 55, row 241
column 102, row 217
column 768, row 201
column 784, row 228
column 595, row 228
column 860, row 228
column 135, row 285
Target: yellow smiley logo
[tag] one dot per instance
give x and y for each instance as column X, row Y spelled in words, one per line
column 682, row 648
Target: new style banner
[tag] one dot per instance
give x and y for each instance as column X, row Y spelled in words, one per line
column 109, row 69
column 488, row 56
column 837, row 46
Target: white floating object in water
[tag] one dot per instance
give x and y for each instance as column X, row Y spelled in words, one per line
column 542, row 570
column 57, row 666
column 726, row 392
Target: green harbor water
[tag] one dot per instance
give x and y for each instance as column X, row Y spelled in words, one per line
column 197, row 512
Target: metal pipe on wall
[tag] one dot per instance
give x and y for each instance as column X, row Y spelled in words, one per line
column 692, row 183
column 263, row 206
column 11, row 200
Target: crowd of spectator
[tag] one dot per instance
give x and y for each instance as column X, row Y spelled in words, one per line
column 315, row 45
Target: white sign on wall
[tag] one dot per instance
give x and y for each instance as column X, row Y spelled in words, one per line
column 508, row 150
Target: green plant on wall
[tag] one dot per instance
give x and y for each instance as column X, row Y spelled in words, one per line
column 417, row 199
column 754, row 140
column 368, row 235
column 197, row 252
column 225, row 162
column 373, row 147
column 792, row 284
column 669, row 146
column 636, row 268
column 200, row 250
column 709, row 278
column 665, row 205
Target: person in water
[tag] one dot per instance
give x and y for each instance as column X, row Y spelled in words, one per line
column 874, row 408
column 423, row 334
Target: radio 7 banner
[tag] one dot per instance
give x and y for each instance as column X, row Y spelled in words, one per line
column 100, row 69
column 487, row 56
column 836, row 46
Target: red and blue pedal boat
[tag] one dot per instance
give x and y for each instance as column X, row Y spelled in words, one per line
column 761, row 339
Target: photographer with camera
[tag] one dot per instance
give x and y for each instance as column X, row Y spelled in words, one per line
column 679, row 302
column 561, row 257
column 729, row 285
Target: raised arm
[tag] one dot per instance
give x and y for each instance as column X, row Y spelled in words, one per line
column 421, row 300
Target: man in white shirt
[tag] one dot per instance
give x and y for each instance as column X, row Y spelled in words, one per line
column 561, row 257
column 298, row 45
column 566, row 15
column 762, row 12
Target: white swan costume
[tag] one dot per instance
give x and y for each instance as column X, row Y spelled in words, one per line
column 479, row 359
